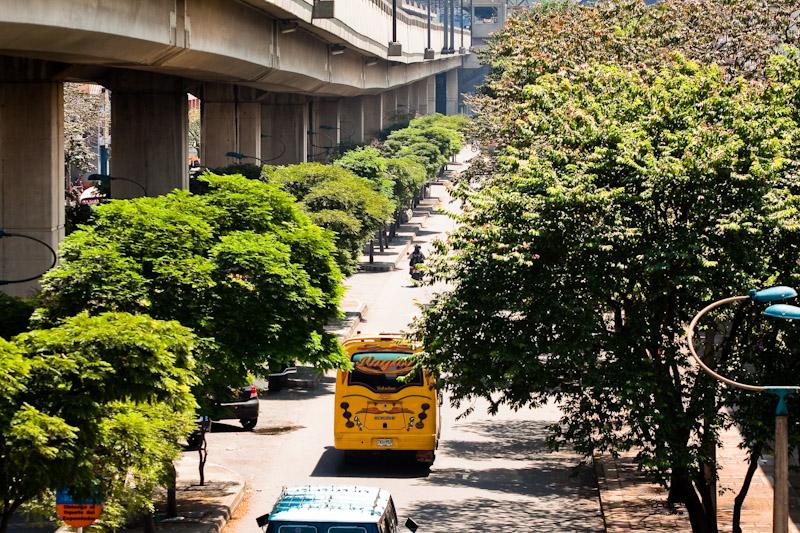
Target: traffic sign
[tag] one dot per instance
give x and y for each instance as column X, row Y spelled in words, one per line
column 77, row 513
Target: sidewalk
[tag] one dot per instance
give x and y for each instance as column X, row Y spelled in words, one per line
column 631, row 503
column 398, row 248
column 203, row 509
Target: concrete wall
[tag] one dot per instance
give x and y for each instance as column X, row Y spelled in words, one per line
column 149, row 128
column 373, row 115
column 284, row 129
column 231, row 122
column 352, row 121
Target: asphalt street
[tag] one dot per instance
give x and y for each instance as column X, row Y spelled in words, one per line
column 492, row 473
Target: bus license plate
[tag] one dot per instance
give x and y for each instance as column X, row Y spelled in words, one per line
column 385, row 442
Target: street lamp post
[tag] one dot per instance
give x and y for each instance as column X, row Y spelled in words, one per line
column 780, row 507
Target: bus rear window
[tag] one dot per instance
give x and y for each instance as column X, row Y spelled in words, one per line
column 382, row 371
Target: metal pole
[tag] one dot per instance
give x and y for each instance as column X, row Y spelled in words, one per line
column 462, row 24
column 394, row 21
column 780, row 504
column 451, row 46
column 443, row 11
column 429, row 23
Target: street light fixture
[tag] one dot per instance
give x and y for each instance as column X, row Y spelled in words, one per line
column 50, row 249
column 105, row 181
column 240, row 156
column 780, row 506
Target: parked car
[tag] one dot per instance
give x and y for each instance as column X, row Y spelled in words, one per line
column 237, row 404
column 243, row 407
column 333, row 509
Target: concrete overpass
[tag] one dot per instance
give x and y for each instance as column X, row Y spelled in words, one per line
column 280, row 80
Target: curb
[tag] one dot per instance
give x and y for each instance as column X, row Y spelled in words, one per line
column 226, row 507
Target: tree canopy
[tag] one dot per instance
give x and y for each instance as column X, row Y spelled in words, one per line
column 204, row 260
column 624, row 200
column 338, row 200
column 100, row 401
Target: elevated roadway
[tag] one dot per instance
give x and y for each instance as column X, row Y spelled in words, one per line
column 284, row 81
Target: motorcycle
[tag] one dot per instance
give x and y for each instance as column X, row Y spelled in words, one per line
column 416, row 273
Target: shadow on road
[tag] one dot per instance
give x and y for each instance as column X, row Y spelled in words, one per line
column 484, row 514
column 324, row 388
column 517, row 440
column 223, row 427
column 335, row 463
column 540, row 472
column 544, row 479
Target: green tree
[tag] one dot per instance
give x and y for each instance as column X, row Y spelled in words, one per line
column 83, row 117
column 625, row 200
column 408, row 176
column 98, row 404
column 737, row 35
column 15, row 313
column 337, row 200
column 369, row 163
column 202, row 259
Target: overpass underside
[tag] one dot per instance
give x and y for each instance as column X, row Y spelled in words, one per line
column 276, row 83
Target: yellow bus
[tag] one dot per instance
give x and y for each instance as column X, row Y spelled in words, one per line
column 377, row 410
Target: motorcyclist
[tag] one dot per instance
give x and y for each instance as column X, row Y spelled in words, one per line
column 417, row 258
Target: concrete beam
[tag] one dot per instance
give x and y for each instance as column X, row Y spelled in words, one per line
column 231, row 122
column 31, row 178
column 284, row 127
column 149, row 125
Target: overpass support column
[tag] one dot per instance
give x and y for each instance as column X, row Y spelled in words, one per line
column 324, row 133
column 284, row 127
column 389, row 104
column 373, row 116
column 31, row 176
column 452, row 92
column 431, row 94
column 422, row 97
column 403, row 102
column 149, row 125
column 231, row 122
column 352, row 121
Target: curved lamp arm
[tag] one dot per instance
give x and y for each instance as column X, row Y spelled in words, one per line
column 706, row 368
column 34, row 239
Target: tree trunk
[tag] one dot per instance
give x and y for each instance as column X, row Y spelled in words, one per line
column 9, row 508
column 4, row 520
column 738, row 502
column 202, row 451
column 682, row 491
column 149, row 524
column 172, row 499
